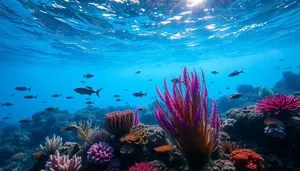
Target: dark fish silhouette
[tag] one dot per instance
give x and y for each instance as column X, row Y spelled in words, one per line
column 175, row 80
column 68, row 128
column 117, row 95
column 6, row 104
column 82, row 81
column 87, row 98
column 27, row 120
column 118, row 100
column 141, row 109
column 215, row 72
column 219, row 92
column 296, row 93
column 9, row 113
column 211, row 82
column 6, row 117
column 277, row 68
column 88, row 76
column 126, row 103
column 22, row 88
column 87, row 90
column 56, row 95
column 235, row 73
column 12, row 94
column 138, row 72
column 139, row 94
column 69, row 97
column 126, row 89
column 288, row 68
column 44, row 101
column 52, row 109
column 89, row 102
column 150, row 80
column 281, row 60
column 30, row 97
column 227, row 88
column 235, row 96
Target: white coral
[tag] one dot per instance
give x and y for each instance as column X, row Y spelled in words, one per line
column 51, row 145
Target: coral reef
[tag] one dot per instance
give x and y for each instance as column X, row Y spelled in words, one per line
column 137, row 136
column 248, row 160
column 265, row 92
column 51, row 145
column 84, row 129
column 289, row 83
column 119, row 123
column 142, row 167
column 100, row 153
column 97, row 136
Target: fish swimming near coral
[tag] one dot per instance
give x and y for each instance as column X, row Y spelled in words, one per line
column 235, row 96
column 56, row 95
column 88, row 76
column 69, row 97
column 52, row 109
column 68, row 128
column 26, row 120
column 6, row 117
column 139, row 94
column 22, row 89
column 6, row 104
column 215, row 72
column 30, row 97
column 87, row 90
column 235, row 73
column 175, row 80
column 89, row 102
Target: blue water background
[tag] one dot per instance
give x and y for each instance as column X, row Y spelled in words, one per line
column 42, row 48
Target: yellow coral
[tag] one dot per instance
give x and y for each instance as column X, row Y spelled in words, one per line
column 136, row 137
column 84, row 129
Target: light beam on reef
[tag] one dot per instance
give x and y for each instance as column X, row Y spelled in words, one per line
column 191, row 3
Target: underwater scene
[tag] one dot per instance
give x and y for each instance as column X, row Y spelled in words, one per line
column 150, row 85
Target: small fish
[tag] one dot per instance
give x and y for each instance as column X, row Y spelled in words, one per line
column 175, row 80
column 69, row 97
column 126, row 89
column 88, row 76
column 88, row 90
column 89, row 102
column 56, row 95
column 211, row 82
column 68, row 128
column 52, row 109
column 227, row 88
column 139, row 94
column 235, row 96
column 26, row 120
column 117, row 95
column 30, row 97
column 288, row 68
column 138, row 72
column 296, row 93
column 150, row 80
column 6, row 117
column 219, row 92
column 118, row 100
column 11, row 94
column 281, row 60
column 141, row 109
column 235, row 73
column 6, row 104
column 82, row 81
column 126, row 103
column 215, row 72
column 22, row 89
column 277, row 68
column 87, row 98
column 44, row 101
column 9, row 113
column 18, row 155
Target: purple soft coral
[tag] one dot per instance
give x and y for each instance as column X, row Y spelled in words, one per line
column 100, row 153
column 186, row 120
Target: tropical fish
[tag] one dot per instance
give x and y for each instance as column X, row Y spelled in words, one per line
column 227, row 88
column 175, row 80
column 277, row 68
column 26, row 120
column 138, row 72
column 68, row 128
column 139, row 94
column 140, row 109
column 56, row 95
column 69, row 97
column 88, row 76
column 219, row 92
column 296, row 118
column 235, row 73
column 82, row 81
column 18, row 155
column 87, row 90
column 215, row 72
column 117, row 95
column 235, row 96
column 150, row 80
column 37, row 154
column 118, row 100
column 52, row 109
column 30, row 97
column 6, row 117
column 288, row 68
column 6, row 104
column 89, row 102
column 22, row 88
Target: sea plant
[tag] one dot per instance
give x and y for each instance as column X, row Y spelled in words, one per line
column 186, row 119
column 51, row 145
column 84, row 129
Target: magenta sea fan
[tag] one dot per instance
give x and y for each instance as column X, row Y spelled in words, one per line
column 278, row 103
column 186, row 118
column 100, row 153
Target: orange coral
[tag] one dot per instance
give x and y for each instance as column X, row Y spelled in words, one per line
column 271, row 121
column 228, row 146
column 246, row 160
column 163, row 148
column 137, row 136
column 37, row 154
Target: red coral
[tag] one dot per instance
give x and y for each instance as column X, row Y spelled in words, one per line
column 246, row 160
column 142, row 167
column 278, row 103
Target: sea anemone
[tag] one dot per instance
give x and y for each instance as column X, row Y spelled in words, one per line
column 142, row 167
column 247, row 160
column 139, row 136
column 97, row 136
column 119, row 123
column 277, row 104
column 164, row 148
column 186, row 121
column 100, row 153
column 57, row 162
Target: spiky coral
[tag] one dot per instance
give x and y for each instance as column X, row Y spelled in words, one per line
column 139, row 136
column 57, row 162
column 142, row 167
column 84, row 129
column 97, row 136
column 186, row 120
column 277, row 104
column 228, row 146
column 51, row 145
column 100, row 153
column 164, row 148
column 247, row 160
column 119, row 123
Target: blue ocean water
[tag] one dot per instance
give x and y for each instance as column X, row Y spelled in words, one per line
column 49, row 44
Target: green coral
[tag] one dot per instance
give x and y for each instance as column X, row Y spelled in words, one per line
column 265, row 92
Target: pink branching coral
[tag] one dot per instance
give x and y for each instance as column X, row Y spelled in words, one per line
column 142, row 167
column 277, row 104
column 100, row 153
column 186, row 120
column 62, row 163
